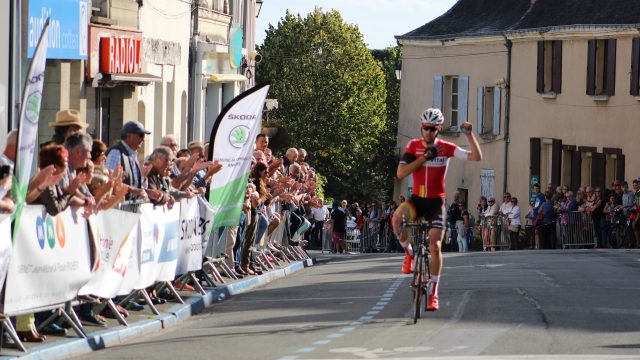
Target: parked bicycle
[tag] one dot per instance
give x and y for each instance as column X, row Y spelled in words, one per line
column 621, row 232
column 421, row 282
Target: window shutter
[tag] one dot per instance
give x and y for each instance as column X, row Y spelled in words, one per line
column 480, row 109
column 556, row 161
column 635, row 67
column 540, row 78
column 591, row 68
column 556, row 85
column 620, row 167
column 610, row 84
column 534, row 159
column 597, row 170
column 576, row 169
column 497, row 97
column 437, row 92
column 463, row 99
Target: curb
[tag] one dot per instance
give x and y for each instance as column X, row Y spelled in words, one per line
column 120, row 334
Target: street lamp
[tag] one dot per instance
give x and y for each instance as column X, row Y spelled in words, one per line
column 258, row 7
column 399, row 72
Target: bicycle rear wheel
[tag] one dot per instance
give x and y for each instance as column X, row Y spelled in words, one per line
column 418, row 279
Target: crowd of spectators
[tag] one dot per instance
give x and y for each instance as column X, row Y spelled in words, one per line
column 78, row 171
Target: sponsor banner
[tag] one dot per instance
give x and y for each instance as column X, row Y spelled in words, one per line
column 233, row 137
column 190, row 237
column 113, row 232
column 69, row 23
column 168, row 251
column 206, row 222
column 132, row 276
column 159, row 230
column 28, row 123
column 50, row 260
column 5, row 247
column 149, row 234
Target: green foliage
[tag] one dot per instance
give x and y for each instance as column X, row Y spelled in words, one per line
column 333, row 101
column 321, row 181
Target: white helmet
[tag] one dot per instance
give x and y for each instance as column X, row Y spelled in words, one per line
column 432, row 116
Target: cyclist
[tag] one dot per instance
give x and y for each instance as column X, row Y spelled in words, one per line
column 426, row 159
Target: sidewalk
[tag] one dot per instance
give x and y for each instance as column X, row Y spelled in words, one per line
column 144, row 322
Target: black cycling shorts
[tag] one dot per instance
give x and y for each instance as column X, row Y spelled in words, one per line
column 430, row 209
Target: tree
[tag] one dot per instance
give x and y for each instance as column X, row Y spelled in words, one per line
column 331, row 94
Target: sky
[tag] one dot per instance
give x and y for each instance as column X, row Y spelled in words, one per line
column 378, row 20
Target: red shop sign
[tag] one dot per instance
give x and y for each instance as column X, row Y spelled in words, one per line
column 120, row 55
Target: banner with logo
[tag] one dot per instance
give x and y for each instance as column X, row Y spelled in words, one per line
column 5, row 247
column 50, row 260
column 233, row 138
column 28, row 123
column 206, row 222
column 168, row 251
column 159, row 230
column 113, row 231
column 190, row 237
column 69, row 21
column 149, row 234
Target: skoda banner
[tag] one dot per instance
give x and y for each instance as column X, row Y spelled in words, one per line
column 233, row 138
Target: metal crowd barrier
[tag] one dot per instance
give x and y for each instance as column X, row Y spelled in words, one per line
column 352, row 240
column 495, row 232
column 577, row 230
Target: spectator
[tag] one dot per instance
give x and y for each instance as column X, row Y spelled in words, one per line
column 607, row 219
column 55, row 198
column 547, row 215
column 462, row 230
column 319, row 217
column 262, row 142
column 125, row 153
column 514, row 223
column 505, row 207
column 339, row 222
column 67, row 122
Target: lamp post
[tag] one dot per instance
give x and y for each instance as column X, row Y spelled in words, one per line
column 399, row 72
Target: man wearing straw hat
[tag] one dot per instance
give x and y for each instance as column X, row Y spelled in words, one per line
column 67, row 122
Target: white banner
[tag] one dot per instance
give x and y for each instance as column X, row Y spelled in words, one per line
column 190, row 237
column 149, row 234
column 5, row 247
column 233, row 138
column 206, row 222
column 115, row 240
column 50, row 260
column 158, row 243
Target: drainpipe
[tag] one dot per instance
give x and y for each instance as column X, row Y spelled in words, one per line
column 507, row 113
column 193, row 73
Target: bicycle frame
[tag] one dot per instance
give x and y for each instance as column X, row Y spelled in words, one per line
column 421, row 282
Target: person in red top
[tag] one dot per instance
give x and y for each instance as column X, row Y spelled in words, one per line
column 426, row 159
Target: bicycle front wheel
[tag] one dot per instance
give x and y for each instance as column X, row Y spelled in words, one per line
column 418, row 280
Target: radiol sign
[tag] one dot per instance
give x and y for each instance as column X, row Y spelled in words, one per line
column 113, row 51
column 68, row 27
column 119, row 55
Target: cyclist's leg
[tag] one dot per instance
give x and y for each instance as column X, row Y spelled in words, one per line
column 405, row 212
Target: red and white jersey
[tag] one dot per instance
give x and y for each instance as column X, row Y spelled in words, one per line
column 428, row 179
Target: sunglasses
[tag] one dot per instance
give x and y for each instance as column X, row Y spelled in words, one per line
column 430, row 128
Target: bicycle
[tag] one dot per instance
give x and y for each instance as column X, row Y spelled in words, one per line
column 421, row 283
column 621, row 233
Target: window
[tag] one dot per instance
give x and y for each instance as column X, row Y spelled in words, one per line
column 635, row 67
column 489, row 102
column 450, row 94
column 549, row 67
column 601, row 67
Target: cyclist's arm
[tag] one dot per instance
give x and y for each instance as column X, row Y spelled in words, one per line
column 407, row 167
column 474, row 146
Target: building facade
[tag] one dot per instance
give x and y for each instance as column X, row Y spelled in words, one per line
column 121, row 60
column 553, row 98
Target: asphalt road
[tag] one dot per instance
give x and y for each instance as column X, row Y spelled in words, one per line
column 576, row 304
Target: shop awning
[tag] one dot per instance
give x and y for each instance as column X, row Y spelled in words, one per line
column 111, row 80
column 142, row 78
column 227, row 78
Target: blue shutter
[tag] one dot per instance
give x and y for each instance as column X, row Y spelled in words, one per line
column 437, row 92
column 480, row 109
column 496, row 109
column 463, row 99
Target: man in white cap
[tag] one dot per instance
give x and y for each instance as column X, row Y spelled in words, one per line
column 125, row 153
